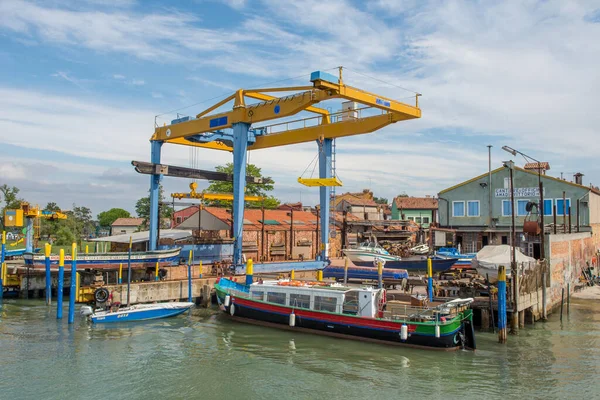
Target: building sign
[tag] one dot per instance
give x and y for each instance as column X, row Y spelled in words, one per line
column 519, row 192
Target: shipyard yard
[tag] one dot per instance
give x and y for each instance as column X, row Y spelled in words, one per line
column 204, row 355
column 239, row 199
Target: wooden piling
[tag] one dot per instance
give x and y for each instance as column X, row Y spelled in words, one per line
column 430, row 279
column 487, row 277
column 544, row 298
column 59, row 291
column 568, row 297
column 562, row 302
column 345, row 270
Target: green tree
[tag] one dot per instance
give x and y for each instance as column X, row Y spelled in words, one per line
column 8, row 196
column 106, row 218
column 142, row 206
column 64, row 236
column 52, row 206
column 380, row 200
column 259, row 189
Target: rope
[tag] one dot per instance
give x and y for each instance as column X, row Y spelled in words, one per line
column 229, row 92
column 382, row 81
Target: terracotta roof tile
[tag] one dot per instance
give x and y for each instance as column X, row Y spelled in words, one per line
column 416, row 203
column 128, row 222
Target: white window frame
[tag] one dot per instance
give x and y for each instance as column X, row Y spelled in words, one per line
column 513, row 206
column 478, row 208
column 464, row 209
column 423, row 219
column 559, row 209
column 517, row 210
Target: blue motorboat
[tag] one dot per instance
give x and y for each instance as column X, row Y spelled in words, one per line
column 366, row 273
column 138, row 312
column 464, row 260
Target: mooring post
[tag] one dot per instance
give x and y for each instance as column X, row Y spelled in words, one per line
column 502, row 304
column 200, row 268
column 544, row 313
column 61, row 282
column 562, row 302
column 190, row 276
column 514, row 316
column 292, row 275
column 72, row 290
column 430, row 279
column 77, row 286
column 249, row 272
column 87, row 250
column 2, row 264
column 129, row 273
column 320, row 275
column 487, row 278
column 120, row 273
column 47, row 251
column 380, row 273
column 345, row 270
column 568, row 297
column 156, row 272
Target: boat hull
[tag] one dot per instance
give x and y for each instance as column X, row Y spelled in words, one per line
column 141, row 313
column 364, row 273
column 419, row 334
column 110, row 260
column 437, row 264
column 359, row 256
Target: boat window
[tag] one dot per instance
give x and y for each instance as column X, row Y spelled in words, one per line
column 325, row 303
column 299, row 300
column 275, row 297
column 258, row 295
column 350, row 303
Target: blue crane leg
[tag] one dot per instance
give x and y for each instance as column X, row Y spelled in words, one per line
column 29, row 236
column 240, row 148
column 154, row 195
column 325, row 153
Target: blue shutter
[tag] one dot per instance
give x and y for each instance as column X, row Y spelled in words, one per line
column 548, row 207
column 506, row 208
column 458, row 209
column 559, row 206
column 521, row 207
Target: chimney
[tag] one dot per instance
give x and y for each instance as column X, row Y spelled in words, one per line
column 578, row 178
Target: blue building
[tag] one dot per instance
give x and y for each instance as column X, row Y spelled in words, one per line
column 480, row 209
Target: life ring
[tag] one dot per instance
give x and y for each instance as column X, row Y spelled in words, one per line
column 101, row 295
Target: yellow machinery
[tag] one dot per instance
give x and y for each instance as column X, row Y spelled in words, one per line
column 32, row 216
column 210, row 196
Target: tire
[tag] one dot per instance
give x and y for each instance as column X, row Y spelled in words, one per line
column 101, row 295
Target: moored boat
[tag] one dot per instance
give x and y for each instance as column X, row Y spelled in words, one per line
column 368, row 254
column 353, row 313
column 142, row 259
column 364, row 273
column 138, row 312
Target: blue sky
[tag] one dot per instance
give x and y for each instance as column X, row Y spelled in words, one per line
column 81, row 83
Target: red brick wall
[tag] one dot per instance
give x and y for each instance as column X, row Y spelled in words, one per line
column 568, row 256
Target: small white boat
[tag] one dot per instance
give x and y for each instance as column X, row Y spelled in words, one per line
column 421, row 249
column 138, row 312
column 369, row 252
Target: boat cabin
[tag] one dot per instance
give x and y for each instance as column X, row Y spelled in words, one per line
column 334, row 298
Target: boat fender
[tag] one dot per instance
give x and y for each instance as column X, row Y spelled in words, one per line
column 437, row 331
column 404, row 332
column 457, row 339
column 232, row 310
column 227, row 300
column 292, row 319
column 101, row 295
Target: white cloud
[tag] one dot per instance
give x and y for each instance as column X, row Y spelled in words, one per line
column 118, row 77
column 138, row 82
column 67, row 77
column 235, row 4
column 156, row 95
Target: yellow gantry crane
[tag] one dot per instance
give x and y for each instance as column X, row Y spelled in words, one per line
column 210, row 196
column 198, row 131
column 245, row 127
column 31, row 215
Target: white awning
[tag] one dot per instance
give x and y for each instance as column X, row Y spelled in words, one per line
column 139, row 237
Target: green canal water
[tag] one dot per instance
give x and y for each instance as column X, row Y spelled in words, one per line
column 205, row 356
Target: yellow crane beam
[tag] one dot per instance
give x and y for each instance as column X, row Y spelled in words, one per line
column 271, row 108
column 210, row 196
